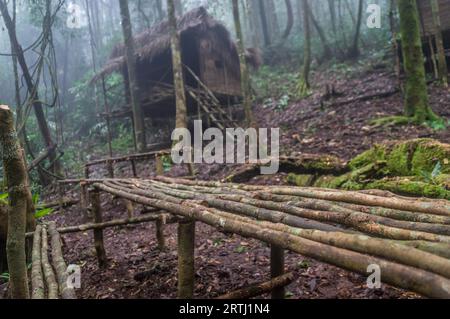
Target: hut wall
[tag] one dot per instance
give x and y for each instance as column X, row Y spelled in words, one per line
column 426, row 15
column 214, row 72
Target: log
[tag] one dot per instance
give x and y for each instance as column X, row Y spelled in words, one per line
column 407, row 277
column 42, row 157
column 138, row 157
column 302, row 164
column 259, row 289
column 49, row 275
column 59, row 264
column 37, row 279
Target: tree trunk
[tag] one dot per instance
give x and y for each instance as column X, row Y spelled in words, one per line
column 290, row 19
column 304, row 85
column 245, row 77
column 442, row 62
column 31, row 86
column 354, row 50
column 16, row 177
column 265, row 24
column 139, row 125
column 416, row 96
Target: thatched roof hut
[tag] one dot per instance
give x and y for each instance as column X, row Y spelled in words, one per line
column 207, row 49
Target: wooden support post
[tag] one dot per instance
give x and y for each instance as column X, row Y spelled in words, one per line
column 98, row 233
column 86, row 172
column 160, row 225
column 110, row 167
column 186, row 270
column 133, row 168
column 277, row 269
column 84, row 201
column 159, row 165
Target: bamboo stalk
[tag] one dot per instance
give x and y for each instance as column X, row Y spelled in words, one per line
column 186, row 269
column 114, row 223
column 49, row 275
column 259, row 289
column 59, row 264
column 37, row 280
column 277, row 269
column 423, row 282
column 272, row 211
column 436, row 207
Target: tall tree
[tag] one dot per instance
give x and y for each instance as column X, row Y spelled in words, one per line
column 138, row 117
column 290, row 19
column 186, row 230
column 245, row 77
column 32, row 86
column 264, row 23
column 416, row 96
column 442, row 62
column 354, row 50
column 304, row 85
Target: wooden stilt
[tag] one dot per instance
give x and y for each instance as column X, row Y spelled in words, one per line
column 186, row 270
column 159, row 165
column 98, row 233
column 110, row 167
column 84, row 202
column 133, row 168
column 160, row 225
column 277, row 269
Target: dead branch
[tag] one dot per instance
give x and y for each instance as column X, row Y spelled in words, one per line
column 259, row 289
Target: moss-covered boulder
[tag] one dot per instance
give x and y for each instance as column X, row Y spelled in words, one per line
column 417, row 167
column 408, row 158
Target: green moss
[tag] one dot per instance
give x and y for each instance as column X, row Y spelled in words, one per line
column 300, row 180
column 427, row 154
column 375, row 154
column 411, row 188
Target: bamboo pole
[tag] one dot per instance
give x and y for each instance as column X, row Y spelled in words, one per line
column 186, row 268
column 169, row 219
column 259, row 289
column 161, row 239
column 98, row 233
column 274, row 212
column 37, row 280
column 59, row 264
column 277, row 269
column 407, row 277
column 49, row 275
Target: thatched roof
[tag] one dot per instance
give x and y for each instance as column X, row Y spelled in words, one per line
column 156, row 40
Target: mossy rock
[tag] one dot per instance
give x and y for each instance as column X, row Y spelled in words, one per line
column 301, row 180
column 411, row 187
column 408, row 158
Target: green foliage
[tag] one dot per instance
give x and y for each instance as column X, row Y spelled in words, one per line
column 5, row 276
column 275, row 86
column 43, row 212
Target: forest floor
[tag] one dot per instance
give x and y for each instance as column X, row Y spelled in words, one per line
column 225, row 263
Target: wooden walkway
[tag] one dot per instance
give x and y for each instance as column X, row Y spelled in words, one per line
column 407, row 238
